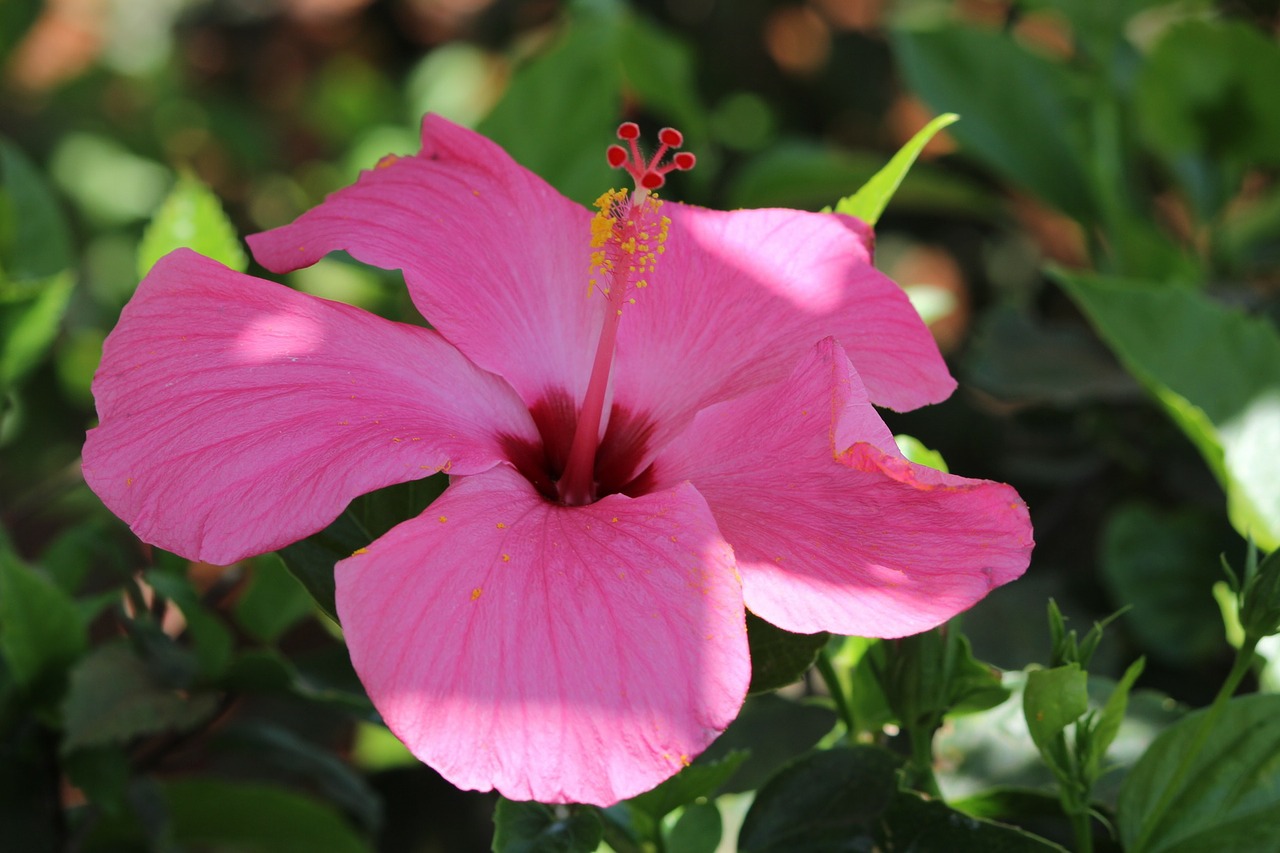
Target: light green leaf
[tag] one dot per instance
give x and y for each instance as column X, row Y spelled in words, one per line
column 191, row 217
column 1052, row 700
column 1229, row 799
column 249, row 817
column 914, row 449
column 870, row 201
column 1215, row 370
column 35, row 243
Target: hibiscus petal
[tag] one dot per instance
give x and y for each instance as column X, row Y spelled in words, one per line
column 238, row 415
column 738, row 298
column 493, row 257
column 832, row 528
column 560, row 654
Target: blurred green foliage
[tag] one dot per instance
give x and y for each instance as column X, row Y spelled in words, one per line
column 1100, row 238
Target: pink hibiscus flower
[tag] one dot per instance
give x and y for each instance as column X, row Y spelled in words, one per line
column 629, row 465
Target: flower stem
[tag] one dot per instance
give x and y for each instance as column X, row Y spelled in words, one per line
column 836, row 689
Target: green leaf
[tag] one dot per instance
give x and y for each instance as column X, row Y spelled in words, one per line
column 41, row 633
column 916, row 824
column 823, row 801
column 538, row 828
column 1021, row 112
column 697, row 831
column 1052, row 700
column 35, row 242
column 211, row 640
column 29, row 326
column 191, row 217
column 1205, row 101
column 870, row 201
column 779, row 657
column 1163, row 565
column 305, row 762
column 113, row 698
column 16, row 18
column 1229, row 799
column 1216, row 372
column 274, row 602
column 690, row 784
column 1108, row 721
column 249, row 817
column 773, row 730
column 311, row 560
column 801, row 175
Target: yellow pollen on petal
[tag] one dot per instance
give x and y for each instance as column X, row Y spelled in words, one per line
column 506, row 558
column 476, row 593
column 443, row 519
column 357, row 552
column 501, row 526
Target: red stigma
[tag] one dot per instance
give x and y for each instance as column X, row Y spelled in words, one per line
column 648, row 174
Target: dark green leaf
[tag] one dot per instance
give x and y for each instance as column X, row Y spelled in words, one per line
column 873, row 197
column 697, row 831
column 1009, row 803
column 915, row 824
column 191, row 217
column 827, row 801
column 274, row 602
column 114, row 698
column 691, row 783
column 102, row 773
column 1163, row 566
column 773, row 731
column 1215, row 370
column 538, row 828
column 247, row 817
column 41, row 633
column 305, row 762
column 16, row 17
column 1021, row 112
column 28, row 814
column 1230, row 797
column 779, row 657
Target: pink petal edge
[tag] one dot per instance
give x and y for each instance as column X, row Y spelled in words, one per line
column 238, row 415
column 493, row 257
column 556, row 654
column 833, row 530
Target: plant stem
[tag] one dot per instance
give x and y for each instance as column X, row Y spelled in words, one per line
column 921, row 738
column 1243, row 662
column 834, row 687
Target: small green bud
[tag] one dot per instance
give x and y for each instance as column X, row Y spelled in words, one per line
column 1260, row 598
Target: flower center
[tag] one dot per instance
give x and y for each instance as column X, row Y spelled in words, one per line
column 628, row 234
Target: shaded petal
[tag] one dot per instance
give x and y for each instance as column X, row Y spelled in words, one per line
column 738, row 298
column 560, row 654
column 238, row 415
column 832, row 528
column 493, row 257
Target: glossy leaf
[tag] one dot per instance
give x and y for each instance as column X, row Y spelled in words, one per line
column 1216, row 372
column 1229, row 799
column 779, row 657
column 538, row 828
column 771, row 730
column 690, row 784
column 870, row 201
